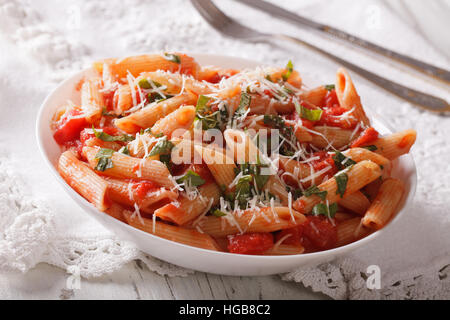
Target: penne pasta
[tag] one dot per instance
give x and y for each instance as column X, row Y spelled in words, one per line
column 83, row 179
column 326, row 137
column 350, row 230
column 356, row 202
column 92, row 102
column 181, row 235
column 182, row 118
column 186, row 209
column 132, row 168
column 396, row 144
column 348, row 98
column 385, row 204
column 149, row 115
column 360, row 175
column 284, row 249
column 261, row 220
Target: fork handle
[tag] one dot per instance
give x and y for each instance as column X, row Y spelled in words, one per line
column 421, row 99
column 438, row 73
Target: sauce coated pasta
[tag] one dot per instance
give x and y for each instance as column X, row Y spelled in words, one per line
column 241, row 161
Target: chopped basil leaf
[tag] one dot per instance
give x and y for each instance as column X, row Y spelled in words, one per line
column 315, row 190
column 162, row 147
column 104, row 159
column 308, row 114
column 243, row 190
column 277, row 122
column 323, row 209
column 218, row 213
column 244, row 103
column 342, row 161
column 330, row 87
column 269, row 78
column 124, row 150
column 106, row 137
column 108, row 114
column 207, row 118
column 289, row 68
column 341, row 181
column 296, row 193
column 172, row 57
column 371, row 148
column 147, row 83
column 192, row 178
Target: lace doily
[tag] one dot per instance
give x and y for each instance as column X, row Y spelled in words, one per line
column 30, row 231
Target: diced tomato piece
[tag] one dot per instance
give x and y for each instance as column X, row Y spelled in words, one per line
column 142, row 188
column 320, row 232
column 295, row 235
column 250, row 243
column 331, row 100
column 325, row 160
column 70, row 127
column 109, row 99
column 368, row 136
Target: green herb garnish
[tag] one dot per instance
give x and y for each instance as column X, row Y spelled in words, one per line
column 162, row 147
column 371, row 148
column 315, row 190
column 172, row 57
column 104, row 159
column 106, row 137
column 323, row 209
column 341, row 181
column 308, row 114
column 289, row 68
column 341, row 161
column 207, row 118
column 330, row 87
column 192, row 179
column 218, row 213
column 124, row 150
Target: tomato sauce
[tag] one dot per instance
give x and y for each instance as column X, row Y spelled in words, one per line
column 142, row 188
column 325, row 160
column 316, row 234
column 250, row 243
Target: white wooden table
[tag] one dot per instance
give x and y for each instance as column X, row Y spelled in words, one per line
column 135, row 281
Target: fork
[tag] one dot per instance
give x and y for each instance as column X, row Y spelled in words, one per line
column 231, row 28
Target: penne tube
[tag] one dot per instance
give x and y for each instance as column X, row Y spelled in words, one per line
column 92, row 101
column 342, row 216
column 385, row 204
column 119, row 68
column 276, row 187
column 360, row 154
column 284, row 249
column 219, row 164
column 176, row 83
column 356, row 202
column 132, row 168
column 359, row 175
column 123, row 99
column 182, row 235
column 324, row 137
column 315, row 96
column 149, row 115
column 96, row 142
column 251, row 220
column 396, row 144
column 182, row 118
column 185, row 209
column 350, row 230
column 116, row 211
column 83, row 180
column 348, row 97
column 298, row 171
column 127, row 193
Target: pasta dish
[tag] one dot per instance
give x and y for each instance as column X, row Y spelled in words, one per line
column 247, row 161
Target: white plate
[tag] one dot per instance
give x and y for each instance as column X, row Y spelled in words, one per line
column 190, row 257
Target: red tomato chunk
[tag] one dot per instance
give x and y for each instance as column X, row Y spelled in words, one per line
column 250, row 243
column 320, row 232
column 369, row 135
column 70, row 127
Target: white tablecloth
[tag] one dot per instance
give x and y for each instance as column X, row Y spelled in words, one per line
column 42, row 42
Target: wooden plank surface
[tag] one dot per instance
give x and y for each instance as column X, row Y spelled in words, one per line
column 135, row 281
